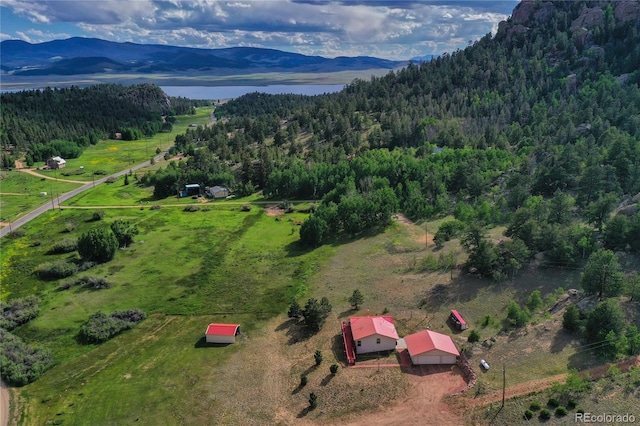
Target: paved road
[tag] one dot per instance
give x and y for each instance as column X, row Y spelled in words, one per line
column 64, row 197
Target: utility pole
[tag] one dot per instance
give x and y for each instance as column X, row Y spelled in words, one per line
column 426, row 234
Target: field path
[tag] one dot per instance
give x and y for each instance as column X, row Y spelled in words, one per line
column 542, row 384
column 4, row 405
column 34, row 173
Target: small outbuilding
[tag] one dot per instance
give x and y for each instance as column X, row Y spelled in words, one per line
column 457, row 320
column 429, row 347
column 373, row 334
column 190, row 190
column 222, row 333
column 55, row 163
column 216, row 192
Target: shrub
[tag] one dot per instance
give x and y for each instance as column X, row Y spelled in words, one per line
column 111, row 179
column 191, row 209
column 64, row 246
column 535, row 406
column 18, row 312
column 91, row 282
column 98, row 245
column 553, row 402
column 98, row 215
column 580, row 411
column 100, row 172
column 334, row 368
column 545, row 414
column 561, row 411
column 571, row 404
column 474, row 336
column 156, row 207
column 313, row 400
column 101, row 327
column 70, row 227
column 55, row 270
column 528, row 414
column 317, row 356
column 18, row 233
column 246, row 208
column 21, row 363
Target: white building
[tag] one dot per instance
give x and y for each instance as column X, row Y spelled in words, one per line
column 373, row 334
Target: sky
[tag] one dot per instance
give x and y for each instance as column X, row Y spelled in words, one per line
column 390, row 29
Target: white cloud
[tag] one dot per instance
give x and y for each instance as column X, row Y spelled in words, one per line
column 391, row 29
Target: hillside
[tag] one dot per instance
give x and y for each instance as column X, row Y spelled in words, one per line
column 78, row 55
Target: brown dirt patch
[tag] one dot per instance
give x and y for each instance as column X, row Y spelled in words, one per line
column 417, row 232
column 274, row 211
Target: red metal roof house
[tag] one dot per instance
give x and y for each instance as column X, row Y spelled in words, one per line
column 373, row 334
column 429, row 347
column 222, row 333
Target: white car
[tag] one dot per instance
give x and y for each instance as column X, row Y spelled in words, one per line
column 484, row 364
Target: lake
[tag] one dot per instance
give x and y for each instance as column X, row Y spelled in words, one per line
column 227, row 92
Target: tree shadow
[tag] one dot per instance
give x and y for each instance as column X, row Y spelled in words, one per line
column 347, row 313
column 298, row 389
column 327, row 379
column 304, row 412
column 561, row 340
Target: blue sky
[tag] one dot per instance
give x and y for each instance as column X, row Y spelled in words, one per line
column 383, row 28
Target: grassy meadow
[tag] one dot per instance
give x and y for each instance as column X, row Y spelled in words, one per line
column 21, row 193
column 111, row 156
column 187, row 269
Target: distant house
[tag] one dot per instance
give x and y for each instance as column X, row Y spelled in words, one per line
column 118, row 136
column 429, row 347
column 457, row 320
column 373, row 334
column 190, row 190
column 56, row 163
column 216, row 192
column 222, row 333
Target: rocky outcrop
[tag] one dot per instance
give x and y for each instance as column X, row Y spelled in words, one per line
column 528, row 9
column 589, row 18
column 626, row 10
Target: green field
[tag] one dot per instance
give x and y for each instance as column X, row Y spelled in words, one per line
column 21, row 193
column 111, row 156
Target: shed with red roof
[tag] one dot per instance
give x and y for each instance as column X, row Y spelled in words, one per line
column 429, row 347
column 373, row 334
column 222, row 333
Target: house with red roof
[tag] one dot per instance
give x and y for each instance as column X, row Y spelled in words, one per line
column 373, row 334
column 222, row 333
column 429, row 347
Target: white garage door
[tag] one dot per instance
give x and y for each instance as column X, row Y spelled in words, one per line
column 448, row 359
column 428, row 359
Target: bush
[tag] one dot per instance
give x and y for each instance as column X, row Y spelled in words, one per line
column 474, row 336
column 246, row 208
column 89, row 282
column 553, row 402
column 70, row 227
column 18, row 233
column 535, row 406
column 18, row 312
column 580, row 411
column 545, row 414
column 561, row 411
column 64, row 246
column 191, row 209
column 156, row 207
column 528, row 414
column 313, row 400
column 98, row 215
column 334, row 368
column 101, row 327
column 317, row 356
column 55, row 270
column 111, row 179
column 21, row 363
column 571, row 404
column 98, row 245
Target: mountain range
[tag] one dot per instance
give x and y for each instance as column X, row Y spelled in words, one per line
column 79, row 55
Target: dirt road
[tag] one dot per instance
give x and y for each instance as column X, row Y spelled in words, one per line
column 34, row 173
column 4, row 405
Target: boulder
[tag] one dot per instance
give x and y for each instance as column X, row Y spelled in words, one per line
column 589, row 18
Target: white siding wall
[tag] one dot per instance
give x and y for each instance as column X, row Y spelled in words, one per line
column 369, row 344
column 213, row 338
